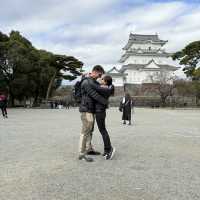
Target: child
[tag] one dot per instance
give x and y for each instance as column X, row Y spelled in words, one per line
column 106, row 89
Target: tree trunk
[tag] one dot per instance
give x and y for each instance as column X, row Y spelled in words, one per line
column 11, row 102
column 197, row 100
column 163, row 101
column 50, row 86
column 24, row 102
column 35, row 101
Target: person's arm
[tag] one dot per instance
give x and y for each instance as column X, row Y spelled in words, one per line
column 93, row 93
column 103, row 90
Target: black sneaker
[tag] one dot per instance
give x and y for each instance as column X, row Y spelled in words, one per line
column 110, row 155
column 94, row 153
column 87, row 159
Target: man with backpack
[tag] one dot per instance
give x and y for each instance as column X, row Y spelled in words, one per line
column 87, row 109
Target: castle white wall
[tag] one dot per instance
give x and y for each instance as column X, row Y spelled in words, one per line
column 141, row 76
column 145, row 59
column 135, row 76
column 145, row 46
column 118, row 81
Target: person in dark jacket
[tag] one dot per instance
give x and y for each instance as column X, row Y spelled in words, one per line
column 3, row 105
column 126, row 105
column 106, row 90
column 89, row 97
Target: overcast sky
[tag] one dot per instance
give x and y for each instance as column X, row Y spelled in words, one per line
column 96, row 30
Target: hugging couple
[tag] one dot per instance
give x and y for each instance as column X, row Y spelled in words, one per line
column 95, row 92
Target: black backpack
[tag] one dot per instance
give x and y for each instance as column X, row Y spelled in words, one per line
column 77, row 91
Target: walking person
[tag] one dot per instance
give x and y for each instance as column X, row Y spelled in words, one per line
column 89, row 97
column 100, row 113
column 126, row 105
column 3, row 105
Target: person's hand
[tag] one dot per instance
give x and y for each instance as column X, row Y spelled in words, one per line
column 104, row 86
column 85, row 74
column 111, row 86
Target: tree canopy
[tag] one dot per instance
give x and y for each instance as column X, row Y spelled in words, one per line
column 190, row 58
column 26, row 71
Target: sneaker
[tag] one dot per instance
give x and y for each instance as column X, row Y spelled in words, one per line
column 110, row 155
column 94, row 153
column 104, row 154
column 87, row 159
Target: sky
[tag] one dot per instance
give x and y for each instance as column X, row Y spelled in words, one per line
column 95, row 31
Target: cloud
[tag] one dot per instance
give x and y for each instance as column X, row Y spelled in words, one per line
column 96, row 30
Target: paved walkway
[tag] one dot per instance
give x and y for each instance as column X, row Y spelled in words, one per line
column 158, row 158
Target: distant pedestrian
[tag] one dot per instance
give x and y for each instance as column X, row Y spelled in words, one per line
column 126, row 106
column 55, row 104
column 67, row 105
column 3, row 105
column 51, row 104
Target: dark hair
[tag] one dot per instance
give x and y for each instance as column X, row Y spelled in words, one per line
column 108, row 80
column 98, row 68
column 127, row 96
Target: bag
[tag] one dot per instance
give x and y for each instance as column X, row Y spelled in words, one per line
column 77, row 91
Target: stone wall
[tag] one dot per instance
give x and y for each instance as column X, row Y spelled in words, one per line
column 145, row 95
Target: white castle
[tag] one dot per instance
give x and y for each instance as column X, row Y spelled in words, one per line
column 143, row 59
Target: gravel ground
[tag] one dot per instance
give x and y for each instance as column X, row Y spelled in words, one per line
column 157, row 158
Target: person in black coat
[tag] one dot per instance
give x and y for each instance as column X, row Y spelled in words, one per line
column 3, row 105
column 126, row 106
column 106, row 89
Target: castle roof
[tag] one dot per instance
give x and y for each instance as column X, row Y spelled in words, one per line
column 115, row 72
column 144, row 52
column 141, row 39
column 148, row 67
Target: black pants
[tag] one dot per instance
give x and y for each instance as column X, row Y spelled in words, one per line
column 4, row 111
column 100, row 119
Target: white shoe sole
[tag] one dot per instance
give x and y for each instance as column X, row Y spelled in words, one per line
column 113, row 153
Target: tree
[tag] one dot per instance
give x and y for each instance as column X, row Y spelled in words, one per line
column 196, row 90
column 163, row 85
column 27, row 72
column 20, row 62
column 183, row 87
column 3, row 61
column 42, row 74
column 62, row 64
column 190, row 58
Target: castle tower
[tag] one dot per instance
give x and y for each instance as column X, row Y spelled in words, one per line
column 145, row 57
